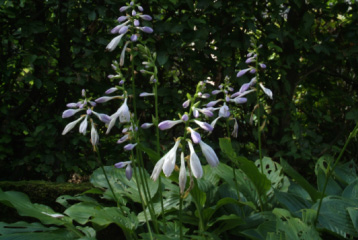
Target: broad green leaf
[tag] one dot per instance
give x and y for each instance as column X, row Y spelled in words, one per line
column 59, row 234
column 82, row 212
column 227, row 222
column 294, row 228
column 334, row 216
column 24, row 207
column 300, row 180
column 351, row 191
column 274, row 173
column 353, row 213
column 292, row 202
column 23, row 227
column 259, row 180
column 121, row 185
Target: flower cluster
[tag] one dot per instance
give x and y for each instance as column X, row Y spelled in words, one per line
column 129, row 25
column 196, row 115
column 84, row 105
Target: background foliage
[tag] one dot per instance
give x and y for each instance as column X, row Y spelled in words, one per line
column 52, row 49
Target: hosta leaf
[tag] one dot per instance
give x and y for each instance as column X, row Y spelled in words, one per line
column 300, row 180
column 24, row 207
column 259, row 180
column 334, row 215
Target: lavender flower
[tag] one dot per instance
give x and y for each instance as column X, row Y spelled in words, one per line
column 195, row 136
column 204, row 125
column 167, row 124
column 129, row 146
column 146, row 125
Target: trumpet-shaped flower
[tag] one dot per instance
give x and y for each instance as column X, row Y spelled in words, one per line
column 94, row 136
column 122, row 113
column 224, row 111
column 236, row 129
column 167, row 124
column 129, row 172
column 167, row 163
column 267, row 91
column 209, row 154
column 83, row 126
column 146, row 125
column 182, row 174
column 195, row 136
column 71, row 125
column 195, row 164
column 70, row 112
column 204, row 125
column 114, row 43
column 129, row 146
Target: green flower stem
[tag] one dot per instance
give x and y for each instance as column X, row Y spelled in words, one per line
column 331, row 169
column 107, row 180
column 259, row 128
column 156, row 106
column 139, row 153
column 141, row 198
column 180, row 216
column 146, row 191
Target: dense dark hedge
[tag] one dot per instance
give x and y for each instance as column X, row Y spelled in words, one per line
column 50, row 50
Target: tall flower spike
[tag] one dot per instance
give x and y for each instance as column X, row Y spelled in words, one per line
column 195, row 164
column 182, row 174
column 209, row 154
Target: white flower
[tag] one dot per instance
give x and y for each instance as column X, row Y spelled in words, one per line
column 209, row 154
column 224, row 111
column 214, row 122
column 170, row 158
column 167, row 163
column 236, row 129
column 94, row 136
column 182, row 174
column 267, row 91
column 195, row 164
column 83, row 126
column 71, row 125
column 114, row 43
column 122, row 113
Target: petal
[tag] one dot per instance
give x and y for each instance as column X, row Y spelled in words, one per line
column 83, row 126
column 209, row 154
column 71, row 125
column 167, row 124
column 114, row 43
column 267, row 91
column 129, row 172
column 182, row 174
column 195, row 164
